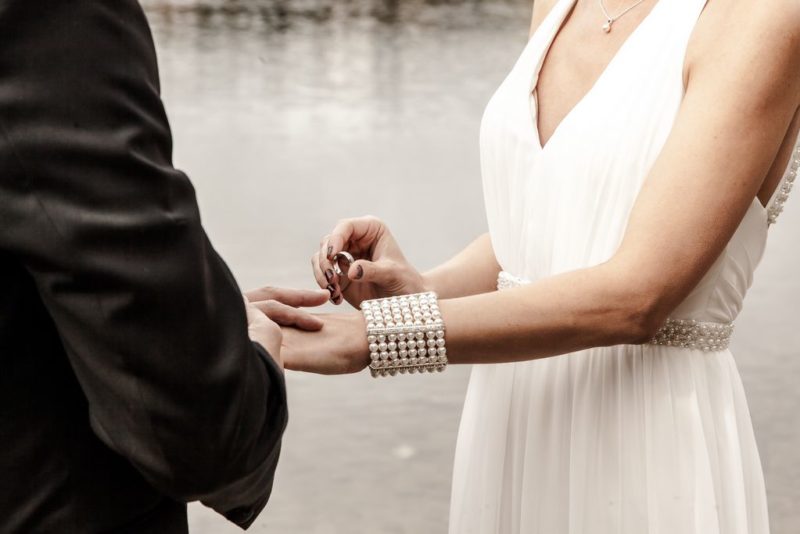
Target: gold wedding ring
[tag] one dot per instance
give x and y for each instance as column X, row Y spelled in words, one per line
column 338, row 259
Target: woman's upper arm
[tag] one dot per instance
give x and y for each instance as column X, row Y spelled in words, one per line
column 540, row 10
column 741, row 96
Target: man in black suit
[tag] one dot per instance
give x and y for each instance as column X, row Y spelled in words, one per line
column 128, row 382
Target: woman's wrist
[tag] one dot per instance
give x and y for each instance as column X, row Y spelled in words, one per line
column 355, row 340
column 473, row 271
column 427, row 283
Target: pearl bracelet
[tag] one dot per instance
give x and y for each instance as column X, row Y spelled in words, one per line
column 405, row 334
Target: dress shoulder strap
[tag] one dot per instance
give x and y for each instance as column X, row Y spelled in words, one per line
column 775, row 205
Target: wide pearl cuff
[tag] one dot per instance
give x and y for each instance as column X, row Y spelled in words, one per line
column 405, row 334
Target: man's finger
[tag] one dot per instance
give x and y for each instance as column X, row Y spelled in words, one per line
column 253, row 313
column 292, row 297
column 288, row 316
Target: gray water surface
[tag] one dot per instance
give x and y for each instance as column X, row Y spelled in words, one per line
column 289, row 115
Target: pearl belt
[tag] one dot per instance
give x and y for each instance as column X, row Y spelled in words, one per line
column 681, row 333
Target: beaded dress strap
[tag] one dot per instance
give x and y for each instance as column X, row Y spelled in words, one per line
column 679, row 333
column 775, row 206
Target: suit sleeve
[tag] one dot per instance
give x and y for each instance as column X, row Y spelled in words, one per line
column 150, row 316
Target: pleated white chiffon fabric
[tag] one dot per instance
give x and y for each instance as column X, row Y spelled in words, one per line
column 628, row 439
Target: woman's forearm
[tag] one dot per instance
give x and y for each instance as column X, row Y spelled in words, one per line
column 472, row 271
column 569, row 312
column 598, row 306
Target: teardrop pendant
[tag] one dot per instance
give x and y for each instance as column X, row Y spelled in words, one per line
column 607, row 26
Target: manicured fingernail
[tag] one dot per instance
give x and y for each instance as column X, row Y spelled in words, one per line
column 329, row 274
column 330, row 251
column 359, row 272
column 332, row 290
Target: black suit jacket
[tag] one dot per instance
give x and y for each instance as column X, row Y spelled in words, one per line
column 128, row 384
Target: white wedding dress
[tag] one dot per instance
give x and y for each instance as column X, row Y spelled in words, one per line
column 634, row 439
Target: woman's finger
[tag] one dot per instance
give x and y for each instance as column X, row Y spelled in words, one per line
column 360, row 233
column 321, row 279
column 325, row 280
column 340, row 236
column 286, row 315
column 326, row 265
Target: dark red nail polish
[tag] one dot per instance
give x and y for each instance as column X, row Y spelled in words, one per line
column 329, row 274
column 359, row 272
column 331, row 290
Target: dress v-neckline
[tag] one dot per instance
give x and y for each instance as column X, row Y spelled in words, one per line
column 554, row 27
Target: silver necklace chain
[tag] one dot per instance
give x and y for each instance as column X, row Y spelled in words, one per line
column 610, row 20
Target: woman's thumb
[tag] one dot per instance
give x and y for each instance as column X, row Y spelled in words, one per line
column 376, row 272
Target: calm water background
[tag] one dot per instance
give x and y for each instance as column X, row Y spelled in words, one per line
column 291, row 114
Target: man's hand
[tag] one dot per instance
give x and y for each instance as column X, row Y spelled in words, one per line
column 269, row 307
column 263, row 330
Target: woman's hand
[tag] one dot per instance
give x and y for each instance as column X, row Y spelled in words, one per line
column 339, row 347
column 380, row 269
column 269, row 308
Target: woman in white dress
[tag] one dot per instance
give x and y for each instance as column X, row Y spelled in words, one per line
column 632, row 163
